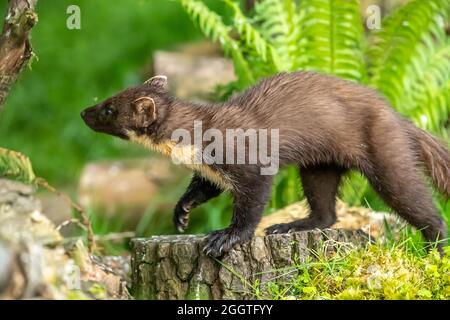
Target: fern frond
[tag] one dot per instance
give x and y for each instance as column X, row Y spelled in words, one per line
column 332, row 38
column 435, row 117
column 278, row 22
column 14, row 165
column 212, row 26
column 400, row 50
column 261, row 53
column 430, row 92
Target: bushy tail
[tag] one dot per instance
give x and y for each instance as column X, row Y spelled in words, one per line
column 436, row 157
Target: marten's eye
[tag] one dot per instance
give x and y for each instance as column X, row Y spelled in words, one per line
column 107, row 113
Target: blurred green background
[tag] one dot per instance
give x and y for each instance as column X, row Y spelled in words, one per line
column 72, row 68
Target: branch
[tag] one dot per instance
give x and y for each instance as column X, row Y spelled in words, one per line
column 15, row 48
column 84, row 216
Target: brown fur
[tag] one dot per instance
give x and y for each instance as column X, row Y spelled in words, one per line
column 435, row 156
column 327, row 126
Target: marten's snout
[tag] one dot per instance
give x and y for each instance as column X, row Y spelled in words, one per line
column 89, row 117
column 102, row 119
column 84, row 114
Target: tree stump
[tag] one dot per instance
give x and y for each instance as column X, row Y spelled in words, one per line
column 174, row 267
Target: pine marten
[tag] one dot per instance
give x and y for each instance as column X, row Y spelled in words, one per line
column 326, row 126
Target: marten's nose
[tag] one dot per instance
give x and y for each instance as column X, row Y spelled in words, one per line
column 83, row 113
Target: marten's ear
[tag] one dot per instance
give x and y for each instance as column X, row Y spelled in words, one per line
column 145, row 111
column 157, row 81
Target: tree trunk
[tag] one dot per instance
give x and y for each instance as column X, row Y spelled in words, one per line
column 15, row 48
column 174, row 267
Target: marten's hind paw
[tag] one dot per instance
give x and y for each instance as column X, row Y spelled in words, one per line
column 221, row 241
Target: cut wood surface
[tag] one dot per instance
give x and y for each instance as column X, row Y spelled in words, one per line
column 174, row 267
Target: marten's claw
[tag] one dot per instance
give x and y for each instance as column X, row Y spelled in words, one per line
column 220, row 242
column 278, row 228
column 182, row 223
column 181, row 217
column 181, row 229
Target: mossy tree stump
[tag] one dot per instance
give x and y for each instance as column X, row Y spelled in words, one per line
column 174, row 267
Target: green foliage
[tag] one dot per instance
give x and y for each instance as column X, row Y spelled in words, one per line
column 277, row 22
column 212, row 26
column 288, row 188
column 378, row 272
column 14, row 165
column 321, row 35
column 332, row 38
column 408, row 60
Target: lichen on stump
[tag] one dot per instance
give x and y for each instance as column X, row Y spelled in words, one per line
column 174, row 267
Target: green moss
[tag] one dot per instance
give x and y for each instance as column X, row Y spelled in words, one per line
column 378, row 272
column 98, row 291
column 198, row 291
column 76, row 295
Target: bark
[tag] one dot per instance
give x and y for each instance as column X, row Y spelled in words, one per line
column 15, row 48
column 174, row 267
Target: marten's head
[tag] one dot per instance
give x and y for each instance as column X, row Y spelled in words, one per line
column 132, row 110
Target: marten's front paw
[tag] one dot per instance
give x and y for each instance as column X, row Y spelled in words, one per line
column 221, row 241
column 181, row 215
